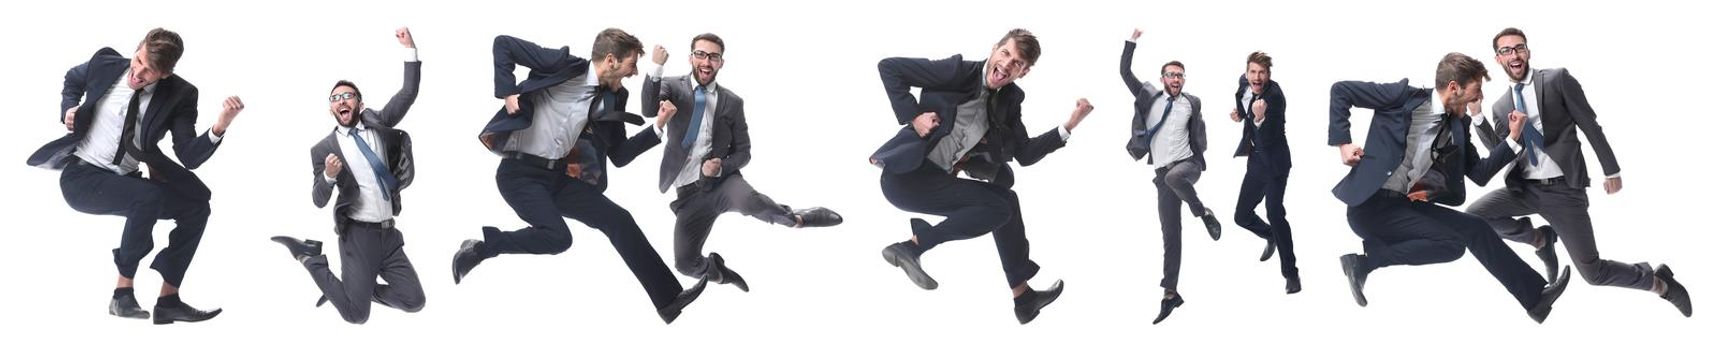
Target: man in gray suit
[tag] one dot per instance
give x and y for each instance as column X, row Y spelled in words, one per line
column 707, row 145
column 1172, row 140
column 1551, row 180
column 370, row 162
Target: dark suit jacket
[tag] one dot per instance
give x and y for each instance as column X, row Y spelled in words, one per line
column 173, row 108
column 1393, row 107
column 604, row 137
column 1144, row 97
column 1265, row 146
column 729, row 139
column 1563, row 105
column 945, row 84
column 396, row 149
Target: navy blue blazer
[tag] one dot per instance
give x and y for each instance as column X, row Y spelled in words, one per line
column 1393, row 107
column 604, row 138
column 1266, row 145
column 945, row 84
column 173, row 108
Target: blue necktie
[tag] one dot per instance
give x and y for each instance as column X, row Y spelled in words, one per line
column 1152, row 133
column 697, row 119
column 383, row 177
column 1529, row 135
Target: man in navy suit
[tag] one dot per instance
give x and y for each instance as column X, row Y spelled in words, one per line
column 556, row 134
column 1551, row 178
column 1416, row 153
column 1259, row 107
column 117, row 110
column 966, row 119
column 708, row 143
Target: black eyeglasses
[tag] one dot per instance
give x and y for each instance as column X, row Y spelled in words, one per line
column 1506, row 51
column 1173, row 75
column 342, row 96
column 700, row 54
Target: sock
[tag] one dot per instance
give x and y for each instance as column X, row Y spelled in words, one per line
column 122, row 292
column 915, row 247
column 168, row 300
column 1026, row 297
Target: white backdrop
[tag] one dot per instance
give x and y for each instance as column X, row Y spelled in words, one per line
column 816, row 111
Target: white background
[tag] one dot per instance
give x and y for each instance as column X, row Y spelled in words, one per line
column 817, row 111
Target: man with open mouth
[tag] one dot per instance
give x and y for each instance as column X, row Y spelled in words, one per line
column 1260, row 108
column 966, row 119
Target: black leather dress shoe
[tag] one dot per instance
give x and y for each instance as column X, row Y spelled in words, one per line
column 1548, row 253
column 126, row 306
column 1212, row 225
column 321, row 300
column 1674, row 292
column 1548, row 296
column 1270, row 249
column 717, row 271
column 1356, row 276
column 1293, row 285
column 672, row 310
column 466, row 258
column 167, row 314
column 300, row 249
column 902, row 255
column 818, row 217
column 1026, row 306
column 1168, row 305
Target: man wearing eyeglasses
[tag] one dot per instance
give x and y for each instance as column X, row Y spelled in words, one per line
column 116, row 111
column 708, row 143
column 369, row 161
column 1259, row 107
column 556, row 134
column 1401, row 186
column 1551, row 180
column 1171, row 138
column 966, row 119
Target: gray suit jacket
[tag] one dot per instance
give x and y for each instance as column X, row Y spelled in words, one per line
column 1563, row 105
column 1144, row 97
column 396, row 145
column 729, row 139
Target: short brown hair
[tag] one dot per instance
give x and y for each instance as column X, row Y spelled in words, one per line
column 1260, row 58
column 710, row 37
column 1165, row 67
column 614, row 41
column 1507, row 32
column 164, row 48
column 1026, row 42
column 1460, row 69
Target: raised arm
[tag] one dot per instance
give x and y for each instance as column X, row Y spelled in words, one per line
column 395, row 110
column 511, row 52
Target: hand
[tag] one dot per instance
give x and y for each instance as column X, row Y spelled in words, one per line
column 1419, row 196
column 512, row 102
column 1135, row 37
column 1082, row 108
column 1260, row 108
column 924, row 123
column 1473, row 109
column 1235, row 115
column 1613, row 184
column 659, row 55
column 229, row 110
column 405, row 36
column 1351, row 154
column 1516, row 120
column 664, row 112
column 331, row 166
column 71, row 117
column 712, row 167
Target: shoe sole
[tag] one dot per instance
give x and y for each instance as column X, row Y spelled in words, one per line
column 927, row 283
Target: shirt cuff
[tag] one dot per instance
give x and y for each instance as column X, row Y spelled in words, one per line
column 411, row 54
column 1513, row 146
column 655, row 71
column 213, row 138
column 1063, row 130
column 1618, row 175
column 326, row 179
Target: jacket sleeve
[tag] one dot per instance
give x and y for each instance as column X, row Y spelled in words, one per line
column 395, row 111
column 1346, row 95
column 510, row 52
column 901, row 74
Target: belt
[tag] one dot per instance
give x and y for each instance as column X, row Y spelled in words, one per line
column 1545, row 182
column 531, row 159
column 385, row 225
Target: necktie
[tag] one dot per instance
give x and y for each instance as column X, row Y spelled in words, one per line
column 1152, row 133
column 1529, row 135
column 128, row 138
column 383, row 177
column 691, row 137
